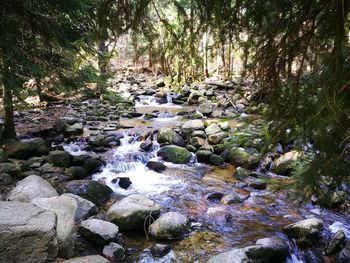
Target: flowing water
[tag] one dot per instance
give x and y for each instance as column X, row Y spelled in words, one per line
column 215, row 227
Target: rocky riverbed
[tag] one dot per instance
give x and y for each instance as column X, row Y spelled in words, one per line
column 150, row 173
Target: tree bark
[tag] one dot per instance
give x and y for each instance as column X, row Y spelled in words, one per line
column 102, row 49
column 9, row 127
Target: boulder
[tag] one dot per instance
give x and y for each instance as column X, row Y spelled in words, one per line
column 74, row 129
column 156, row 166
column 146, row 145
column 59, row 158
column 92, row 165
column 160, row 250
column 337, row 243
column 191, row 126
column 27, row 233
column 197, row 142
column 203, row 156
column 200, row 134
column 5, row 179
column 239, row 157
column 307, row 232
column 258, row 184
column 216, row 138
column 205, row 108
column 93, row 191
column 216, row 160
column 168, row 135
column 241, row 173
column 10, row 168
column 114, row 252
column 87, row 259
column 85, row 208
column 98, row 231
column 212, row 129
column 31, row 187
column 25, row 150
column 160, row 83
column 175, row 154
column 233, row 256
column 171, row 225
column 76, row 172
column 65, row 208
column 284, row 164
column 131, row 212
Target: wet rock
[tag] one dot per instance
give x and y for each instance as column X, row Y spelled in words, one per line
column 5, row 179
column 225, row 126
column 338, row 198
column 114, row 252
column 197, row 142
column 216, row 160
column 241, row 173
column 10, row 168
column 25, row 150
column 205, row 108
column 258, row 184
column 98, row 231
column 146, row 145
column 307, row 232
column 76, row 172
column 31, row 187
column 88, row 259
column 85, row 208
column 217, row 113
column 124, row 182
column 232, row 199
column 27, row 233
column 212, row 197
column 156, row 166
column 217, row 138
column 59, row 158
column 283, row 165
column 175, row 154
column 65, row 208
column 160, row 250
column 171, row 225
column 191, row 126
column 79, row 160
column 233, row 256
column 92, row 165
column 337, row 243
column 131, row 212
column 212, row 129
column 266, row 250
column 75, row 129
column 160, row 83
column 93, row 191
column 167, row 135
column 200, row 134
column 191, row 148
column 239, row 157
column 203, row 156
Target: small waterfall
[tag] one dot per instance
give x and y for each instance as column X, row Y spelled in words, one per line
column 149, row 101
column 169, row 98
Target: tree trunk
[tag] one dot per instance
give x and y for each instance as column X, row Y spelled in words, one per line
column 39, row 90
column 102, row 49
column 9, row 127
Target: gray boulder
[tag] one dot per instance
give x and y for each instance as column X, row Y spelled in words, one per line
column 85, row 208
column 175, row 154
column 307, row 232
column 65, row 208
column 31, row 187
column 337, row 242
column 206, row 108
column 59, row 158
column 168, row 135
column 131, row 212
column 212, row 129
column 10, row 168
column 171, row 225
column 98, row 231
column 233, row 256
column 114, row 252
column 88, row 259
column 27, row 233
column 191, row 126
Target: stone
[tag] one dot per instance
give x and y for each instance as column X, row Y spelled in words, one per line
column 87, row 259
column 27, row 233
column 191, row 126
column 31, row 187
column 156, row 166
column 171, row 225
column 93, row 191
column 175, row 154
column 231, row 199
column 160, row 83
column 131, row 212
column 114, row 252
column 266, row 250
column 212, row 129
column 168, row 135
column 203, row 156
column 10, row 168
column 5, row 179
column 241, row 173
column 239, row 157
column 216, row 160
column 124, row 182
column 85, row 208
column 65, row 208
column 205, row 108
column 74, row 129
column 146, row 145
column 197, row 142
column 200, row 134
column 233, row 256
column 284, row 164
column 225, row 125
column 160, row 250
column 76, row 172
column 217, row 138
column 98, row 231
column 337, row 243
column 92, row 165
column 307, row 232
column 25, row 150
column 59, row 158
column 258, row 184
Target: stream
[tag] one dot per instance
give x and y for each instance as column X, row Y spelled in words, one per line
column 192, row 189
